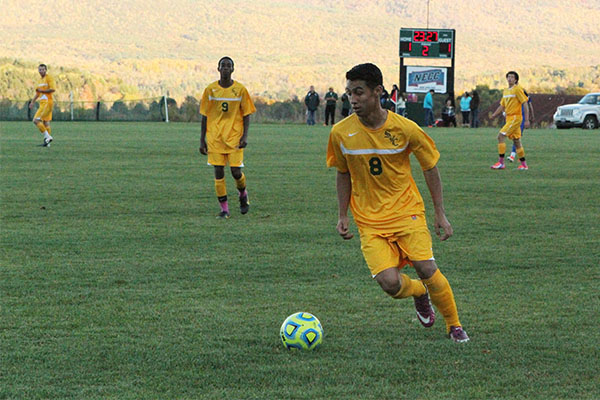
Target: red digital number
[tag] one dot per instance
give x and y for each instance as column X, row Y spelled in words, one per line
column 419, row 36
column 409, row 46
column 449, row 48
column 431, row 35
column 425, row 51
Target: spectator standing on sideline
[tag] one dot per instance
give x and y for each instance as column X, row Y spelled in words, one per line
column 401, row 105
column 474, row 109
column 331, row 98
column 428, row 107
column 384, row 98
column 465, row 108
column 345, row 105
column 312, row 103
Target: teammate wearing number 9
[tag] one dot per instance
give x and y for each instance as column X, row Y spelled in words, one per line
column 226, row 107
column 370, row 150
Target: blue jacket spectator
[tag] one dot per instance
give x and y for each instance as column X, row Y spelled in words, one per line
column 428, row 107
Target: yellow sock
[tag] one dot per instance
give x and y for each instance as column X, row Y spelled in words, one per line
column 241, row 183
column 41, row 127
column 501, row 148
column 49, row 130
column 521, row 152
column 220, row 187
column 442, row 298
column 409, row 287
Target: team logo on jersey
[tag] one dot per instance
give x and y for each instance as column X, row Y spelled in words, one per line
column 234, row 91
column 393, row 139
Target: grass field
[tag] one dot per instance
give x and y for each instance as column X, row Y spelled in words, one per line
column 118, row 282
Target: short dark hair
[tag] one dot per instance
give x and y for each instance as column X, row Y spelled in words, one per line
column 431, row 90
column 225, row 58
column 43, row 65
column 369, row 73
column 514, row 73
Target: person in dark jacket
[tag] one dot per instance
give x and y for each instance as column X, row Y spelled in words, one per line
column 474, row 109
column 331, row 98
column 312, row 103
column 345, row 105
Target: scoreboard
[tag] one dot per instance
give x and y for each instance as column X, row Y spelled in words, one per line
column 427, row 43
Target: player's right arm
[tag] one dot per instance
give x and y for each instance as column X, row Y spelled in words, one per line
column 204, row 108
column 32, row 102
column 497, row 112
column 203, row 146
column 343, row 183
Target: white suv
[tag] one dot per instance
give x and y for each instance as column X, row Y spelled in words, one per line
column 584, row 114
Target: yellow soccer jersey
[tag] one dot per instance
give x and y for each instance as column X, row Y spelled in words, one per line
column 384, row 193
column 45, row 83
column 225, row 109
column 512, row 99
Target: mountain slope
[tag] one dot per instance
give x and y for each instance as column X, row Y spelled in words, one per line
column 281, row 47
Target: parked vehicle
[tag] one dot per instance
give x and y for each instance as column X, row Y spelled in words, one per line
column 585, row 114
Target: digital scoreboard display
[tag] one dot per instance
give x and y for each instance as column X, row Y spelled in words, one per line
column 426, row 43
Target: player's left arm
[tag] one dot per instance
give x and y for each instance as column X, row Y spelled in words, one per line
column 244, row 138
column 526, row 116
column 434, row 183
column 531, row 115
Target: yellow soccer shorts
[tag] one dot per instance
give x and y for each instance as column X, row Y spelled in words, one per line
column 234, row 159
column 44, row 112
column 387, row 250
column 512, row 128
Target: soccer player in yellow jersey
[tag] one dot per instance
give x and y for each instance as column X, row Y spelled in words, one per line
column 226, row 107
column 370, row 150
column 512, row 100
column 43, row 91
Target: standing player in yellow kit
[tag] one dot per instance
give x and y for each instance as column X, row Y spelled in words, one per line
column 226, row 107
column 512, row 100
column 370, row 150
column 43, row 91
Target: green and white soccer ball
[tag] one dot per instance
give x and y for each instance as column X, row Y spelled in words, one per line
column 302, row 331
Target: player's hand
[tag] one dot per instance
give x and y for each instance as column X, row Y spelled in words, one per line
column 442, row 224
column 243, row 143
column 343, row 228
column 31, row 104
column 203, row 149
column 527, row 124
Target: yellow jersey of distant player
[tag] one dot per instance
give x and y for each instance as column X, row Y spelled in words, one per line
column 46, row 83
column 512, row 99
column 384, row 192
column 225, row 109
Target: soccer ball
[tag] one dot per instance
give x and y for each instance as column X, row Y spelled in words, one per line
column 302, row 331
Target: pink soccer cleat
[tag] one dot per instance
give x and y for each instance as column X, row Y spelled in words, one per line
column 425, row 311
column 498, row 165
column 458, row 335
